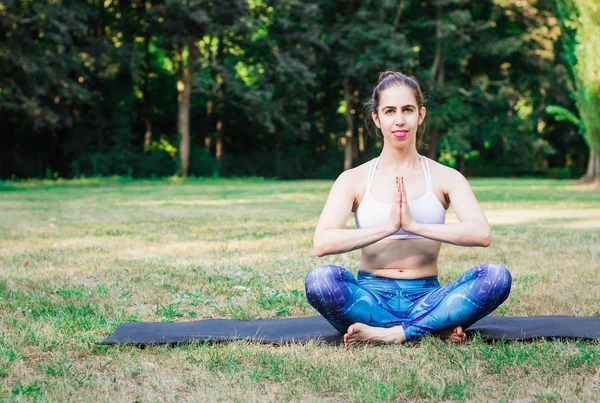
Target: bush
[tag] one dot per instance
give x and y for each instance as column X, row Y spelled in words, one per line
column 201, row 163
column 153, row 163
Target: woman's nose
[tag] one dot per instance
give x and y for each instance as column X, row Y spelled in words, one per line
column 399, row 119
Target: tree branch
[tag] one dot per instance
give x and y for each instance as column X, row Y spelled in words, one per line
column 14, row 18
column 398, row 15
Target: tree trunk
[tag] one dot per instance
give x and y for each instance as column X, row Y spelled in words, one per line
column 184, row 88
column 361, row 140
column 97, row 84
column 209, row 98
column 358, row 145
column 354, row 142
column 592, row 174
column 279, row 131
column 438, row 58
column 348, row 151
column 432, row 144
column 209, row 118
column 460, row 164
column 398, row 15
column 122, row 117
column 220, row 146
column 146, row 92
column 221, row 94
column 99, row 117
column 436, row 82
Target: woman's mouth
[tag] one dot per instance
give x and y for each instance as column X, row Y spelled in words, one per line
column 400, row 134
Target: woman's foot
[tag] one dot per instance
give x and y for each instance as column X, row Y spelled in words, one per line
column 361, row 333
column 453, row 335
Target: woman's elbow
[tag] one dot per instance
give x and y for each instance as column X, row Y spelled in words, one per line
column 485, row 242
column 318, row 251
column 319, row 248
column 485, row 239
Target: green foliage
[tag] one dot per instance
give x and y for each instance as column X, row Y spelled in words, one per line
column 38, row 58
column 586, row 23
column 562, row 114
column 581, row 41
column 91, row 88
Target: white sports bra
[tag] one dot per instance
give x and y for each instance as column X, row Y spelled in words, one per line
column 426, row 209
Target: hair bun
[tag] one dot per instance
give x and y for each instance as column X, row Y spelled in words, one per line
column 388, row 73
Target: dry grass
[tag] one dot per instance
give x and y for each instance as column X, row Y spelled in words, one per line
column 77, row 259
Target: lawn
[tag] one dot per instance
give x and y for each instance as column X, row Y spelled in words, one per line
column 77, row 258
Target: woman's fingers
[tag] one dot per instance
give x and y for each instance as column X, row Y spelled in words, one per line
column 406, row 216
column 395, row 213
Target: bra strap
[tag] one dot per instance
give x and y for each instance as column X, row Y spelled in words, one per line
column 426, row 170
column 372, row 168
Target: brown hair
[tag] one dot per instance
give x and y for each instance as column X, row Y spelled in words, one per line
column 386, row 80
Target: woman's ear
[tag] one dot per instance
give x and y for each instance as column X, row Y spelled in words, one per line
column 422, row 114
column 376, row 120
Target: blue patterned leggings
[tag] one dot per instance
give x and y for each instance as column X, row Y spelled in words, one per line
column 420, row 306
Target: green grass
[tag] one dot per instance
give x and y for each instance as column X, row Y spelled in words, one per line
column 77, row 258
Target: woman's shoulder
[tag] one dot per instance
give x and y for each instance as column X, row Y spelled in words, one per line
column 356, row 174
column 442, row 176
column 441, row 170
column 353, row 181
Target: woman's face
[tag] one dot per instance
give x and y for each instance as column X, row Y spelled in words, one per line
column 398, row 116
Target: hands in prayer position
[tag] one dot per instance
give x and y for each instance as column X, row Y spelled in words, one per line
column 400, row 216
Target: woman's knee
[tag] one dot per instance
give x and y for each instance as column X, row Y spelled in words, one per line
column 499, row 278
column 491, row 272
column 321, row 276
column 491, row 283
column 499, row 273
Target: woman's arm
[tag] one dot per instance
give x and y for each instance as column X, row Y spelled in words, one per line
column 473, row 228
column 331, row 236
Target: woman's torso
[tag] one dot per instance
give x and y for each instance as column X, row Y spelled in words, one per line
column 403, row 255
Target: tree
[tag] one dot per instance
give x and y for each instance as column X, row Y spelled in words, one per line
column 276, row 87
column 183, row 24
column 41, row 81
column 225, row 23
column 581, row 40
column 488, row 70
column 364, row 40
column 146, row 31
column 282, row 72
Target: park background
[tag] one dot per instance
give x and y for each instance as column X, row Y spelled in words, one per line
column 276, row 88
column 142, row 150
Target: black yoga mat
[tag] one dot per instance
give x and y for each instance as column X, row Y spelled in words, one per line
column 298, row 330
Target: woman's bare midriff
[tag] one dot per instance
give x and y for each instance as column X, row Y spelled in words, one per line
column 405, row 259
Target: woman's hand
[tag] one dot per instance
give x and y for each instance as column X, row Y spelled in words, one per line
column 332, row 236
column 400, row 216
column 396, row 211
column 407, row 219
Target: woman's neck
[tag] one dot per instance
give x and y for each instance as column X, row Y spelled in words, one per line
column 395, row 158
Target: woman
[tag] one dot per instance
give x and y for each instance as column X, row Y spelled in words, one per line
column 399, row 201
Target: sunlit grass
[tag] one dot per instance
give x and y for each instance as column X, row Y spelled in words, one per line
column 77, row 258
